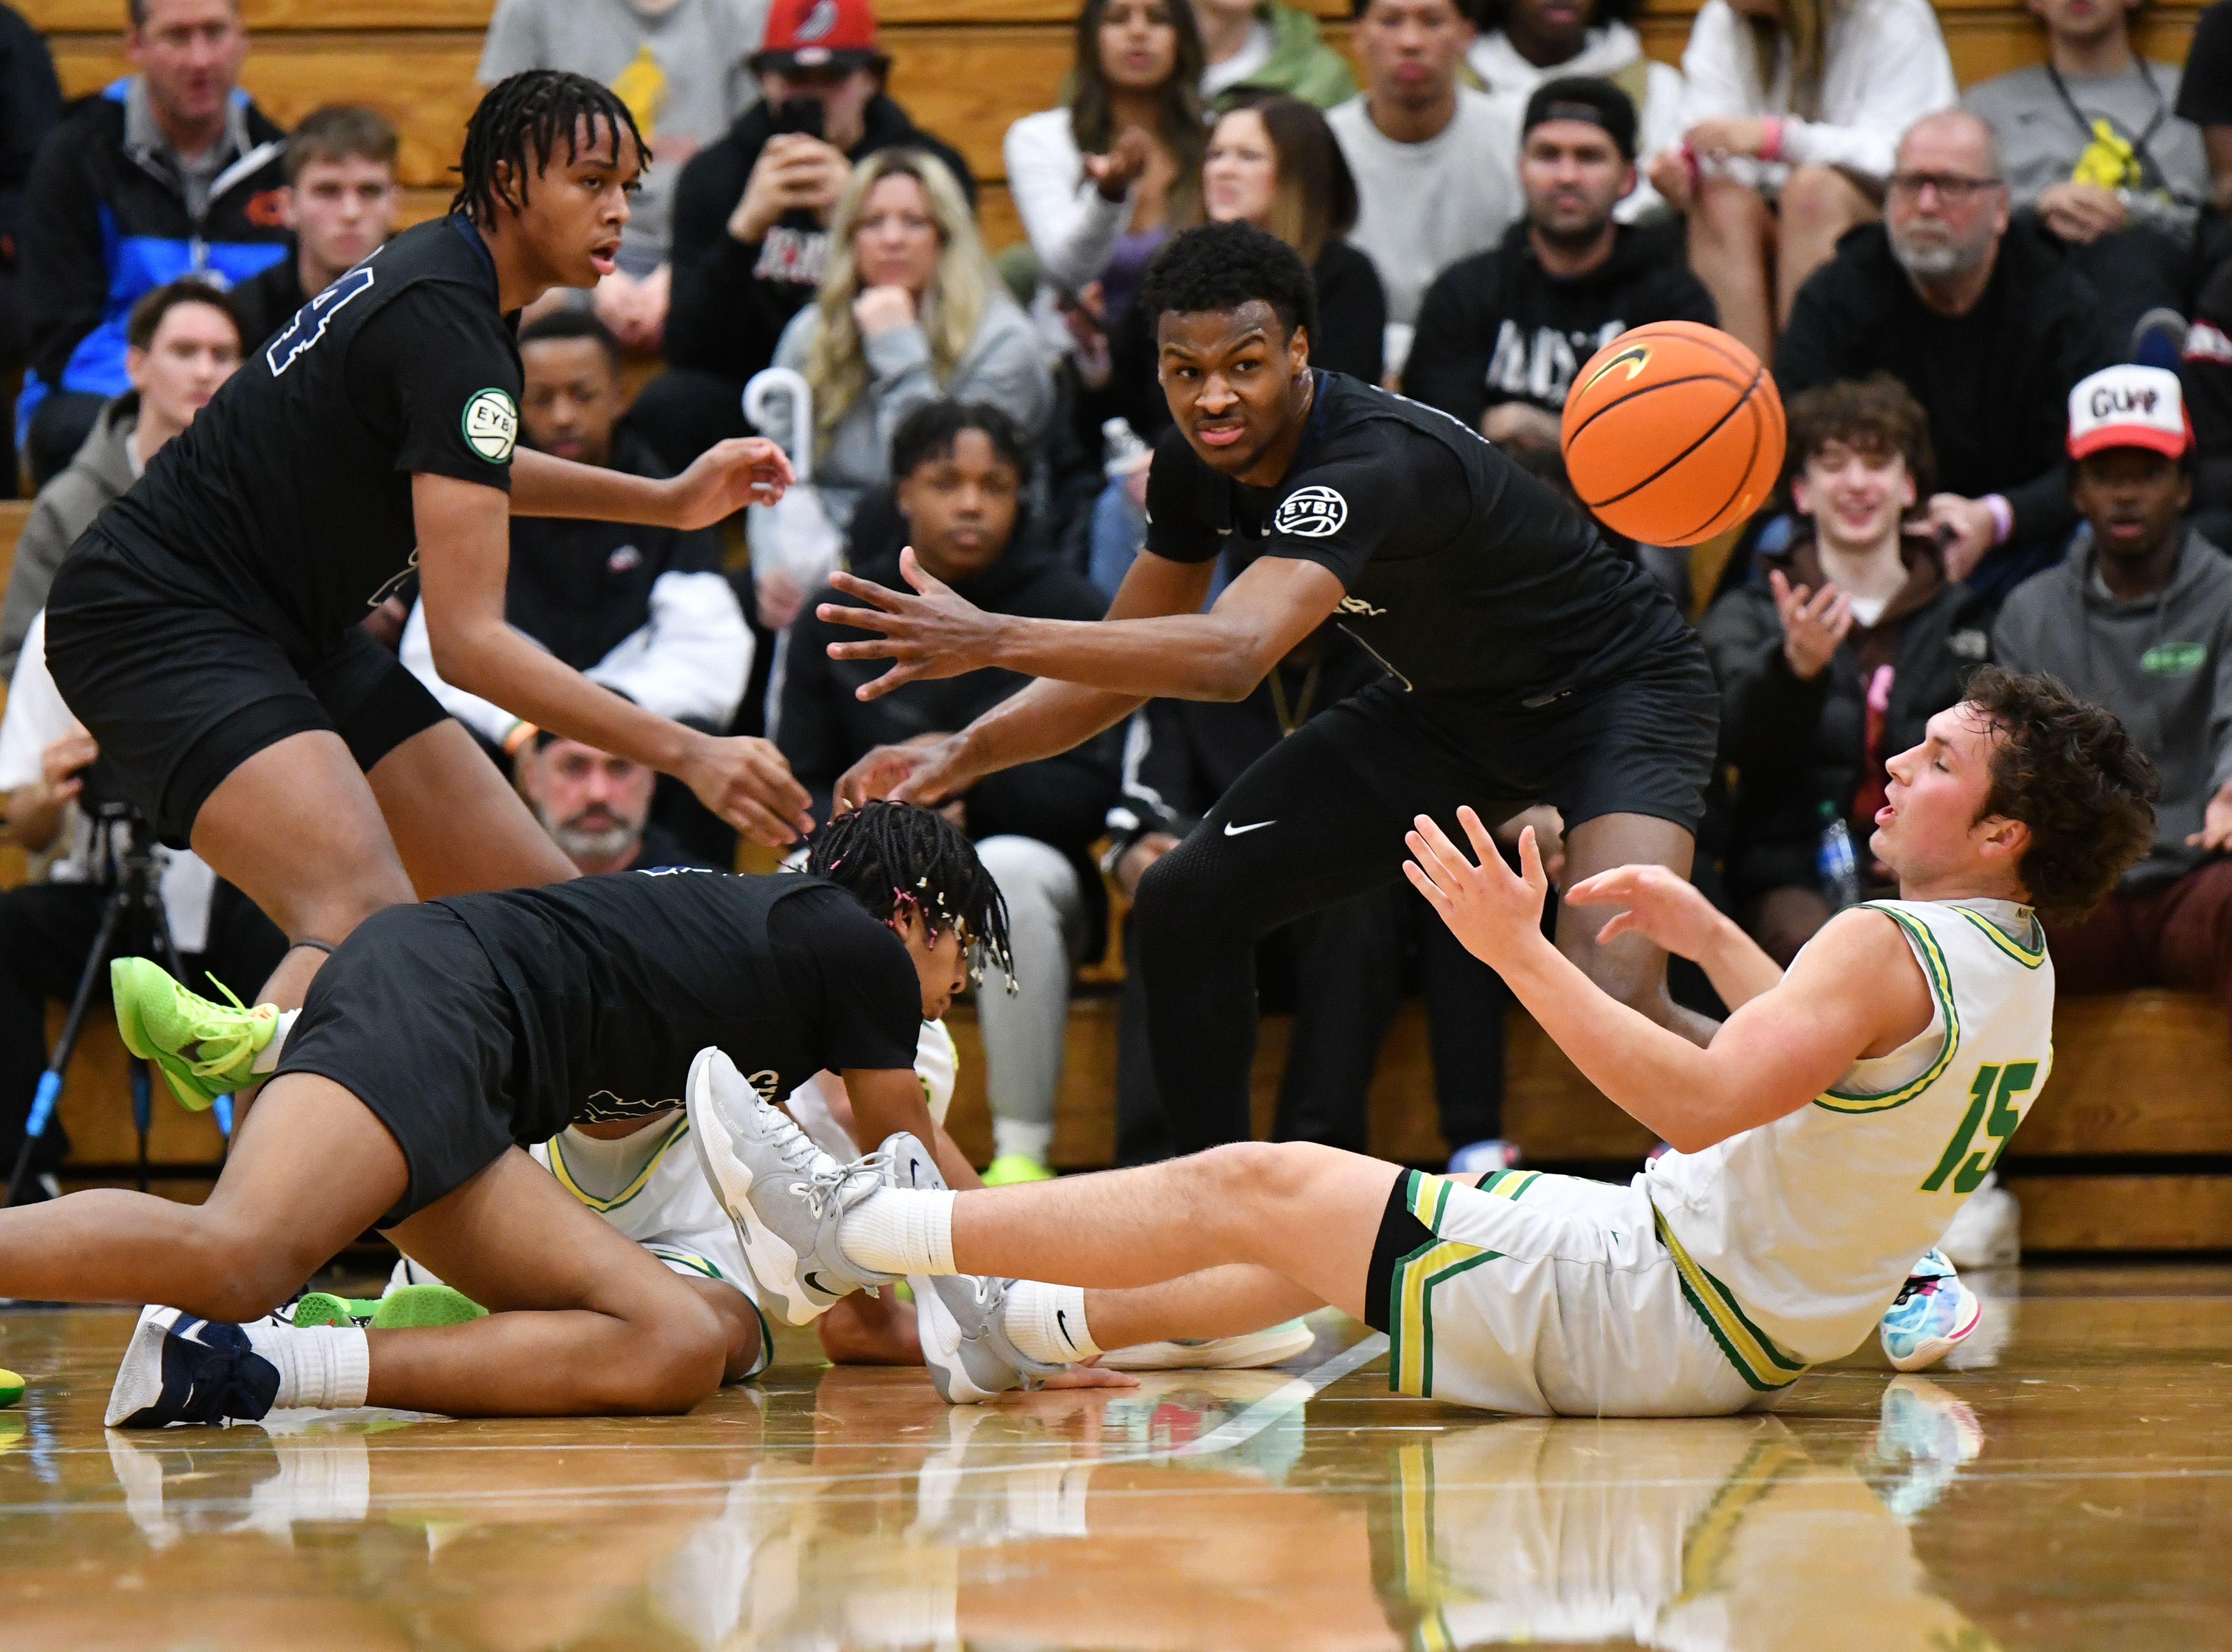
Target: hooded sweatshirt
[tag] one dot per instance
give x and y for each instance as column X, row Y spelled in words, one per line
column 1288, row 54
column 731, row 299
column 1498, row 327
column 2162, row 664
column 104, row 467
column 1797, row 745
column 1613, row 53
column 1003, row 366
column 824, row 728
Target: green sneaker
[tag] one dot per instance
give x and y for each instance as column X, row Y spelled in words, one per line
column 160, row 1020
column 1011, row 1167
column 413, row 1307
column 324, row 1308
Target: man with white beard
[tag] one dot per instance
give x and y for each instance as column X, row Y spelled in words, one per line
column 1985, row 323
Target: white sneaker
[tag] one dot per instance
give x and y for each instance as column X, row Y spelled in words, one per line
column 785, row 1195
column 1986, row 1231
column 1272, row 1346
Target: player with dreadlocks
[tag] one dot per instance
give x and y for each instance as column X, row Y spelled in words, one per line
column 207, row 628
column 444, row 1038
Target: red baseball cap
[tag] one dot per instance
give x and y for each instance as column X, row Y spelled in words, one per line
column 2128, row 405
column 818, row 34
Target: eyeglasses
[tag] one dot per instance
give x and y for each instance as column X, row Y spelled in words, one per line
column 1952, row 188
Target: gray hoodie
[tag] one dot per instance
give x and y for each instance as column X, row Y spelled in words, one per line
column 1004, row 365
column 2162, row 663
column 105, row 466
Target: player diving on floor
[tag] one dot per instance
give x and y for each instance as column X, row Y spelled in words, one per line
column 1823, row 1139
column 1527, row 662
column 206, row 628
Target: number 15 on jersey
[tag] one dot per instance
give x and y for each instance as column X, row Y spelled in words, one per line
column 1991, row 1103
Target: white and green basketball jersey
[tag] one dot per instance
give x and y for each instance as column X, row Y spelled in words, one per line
column 1794, row 1237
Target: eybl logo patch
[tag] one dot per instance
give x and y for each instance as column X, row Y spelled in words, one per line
column 491, row 425
column 1311, row 513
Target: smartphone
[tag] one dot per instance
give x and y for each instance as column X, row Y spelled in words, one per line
column 798, row 114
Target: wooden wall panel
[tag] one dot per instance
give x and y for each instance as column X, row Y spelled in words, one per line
column 106, row 17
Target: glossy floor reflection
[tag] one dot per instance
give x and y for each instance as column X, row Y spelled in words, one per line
column 2073, row 1489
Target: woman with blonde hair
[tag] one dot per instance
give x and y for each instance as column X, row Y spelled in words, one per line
column 910, row 309
column 1791, row 112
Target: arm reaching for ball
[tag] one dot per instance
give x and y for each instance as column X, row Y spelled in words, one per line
column 1094, row 673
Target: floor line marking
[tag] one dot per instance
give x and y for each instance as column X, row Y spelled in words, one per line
column 1245, row 1424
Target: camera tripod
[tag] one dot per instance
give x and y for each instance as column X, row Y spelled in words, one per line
column 131, row 920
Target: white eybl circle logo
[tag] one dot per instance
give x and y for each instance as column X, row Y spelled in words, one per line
column 491, row 425
column 1311, row 513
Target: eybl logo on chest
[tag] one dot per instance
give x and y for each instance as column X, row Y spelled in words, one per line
column 1311, row 513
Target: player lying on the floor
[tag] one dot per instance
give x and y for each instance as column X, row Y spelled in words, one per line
column 1825, row 1138
column 440, row 1039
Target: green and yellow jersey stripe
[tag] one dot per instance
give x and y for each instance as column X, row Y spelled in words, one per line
column 1940, row 988
column 1758, row 1360
column 636, row 1185
column 1411, row 1287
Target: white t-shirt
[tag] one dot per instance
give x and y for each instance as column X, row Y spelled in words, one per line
column 1424, row 206
column 1252, row 55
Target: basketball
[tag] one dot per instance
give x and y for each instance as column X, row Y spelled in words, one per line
column 1673, row 432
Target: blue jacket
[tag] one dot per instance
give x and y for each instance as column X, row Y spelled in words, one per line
column 104, row 222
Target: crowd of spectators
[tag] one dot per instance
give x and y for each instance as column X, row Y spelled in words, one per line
column 2000, row 318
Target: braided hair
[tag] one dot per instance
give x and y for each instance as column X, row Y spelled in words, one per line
column 522, row 120
column 897, row 858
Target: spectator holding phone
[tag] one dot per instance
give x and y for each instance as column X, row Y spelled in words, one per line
column 751, row 214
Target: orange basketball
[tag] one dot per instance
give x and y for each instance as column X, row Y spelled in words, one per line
column 1673, row 432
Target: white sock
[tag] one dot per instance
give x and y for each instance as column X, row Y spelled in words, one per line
column 1021, row 1137
column 320, row 1366
column 1048, row 1322
column 900, row 1230
column 267, row 1058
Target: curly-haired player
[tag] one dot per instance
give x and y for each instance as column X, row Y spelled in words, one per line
column 1823, row 1139
column 207, row 631
column 1527, row 662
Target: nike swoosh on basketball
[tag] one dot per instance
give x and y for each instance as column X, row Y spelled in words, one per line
column 1232, row 830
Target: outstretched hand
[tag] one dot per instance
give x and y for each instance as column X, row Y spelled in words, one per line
column 1666, row 910
column 923, row 772
column 1494, row 913
column 930, row 634
column 727, row 477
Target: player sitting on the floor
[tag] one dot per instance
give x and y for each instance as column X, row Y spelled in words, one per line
column 1825, row 1138
column 443, row 1036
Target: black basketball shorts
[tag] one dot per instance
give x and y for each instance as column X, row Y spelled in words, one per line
column 181, row 693
column 410, row 1017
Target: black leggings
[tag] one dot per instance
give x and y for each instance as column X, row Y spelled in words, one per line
column 1300, row 831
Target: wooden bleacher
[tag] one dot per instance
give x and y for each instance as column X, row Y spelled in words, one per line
column 2127, row 1149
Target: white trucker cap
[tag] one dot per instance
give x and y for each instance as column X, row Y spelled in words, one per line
column 2128, row 406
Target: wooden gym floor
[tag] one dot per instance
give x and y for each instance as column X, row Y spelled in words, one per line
column 2070, row 1487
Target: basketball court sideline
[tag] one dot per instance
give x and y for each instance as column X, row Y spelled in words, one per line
column 2064, row 1488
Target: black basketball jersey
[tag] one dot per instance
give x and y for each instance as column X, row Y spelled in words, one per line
column 618, row 982
column 288, row 501
column 1469, row 580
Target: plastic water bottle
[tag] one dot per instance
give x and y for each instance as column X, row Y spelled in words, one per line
column 1840, row 871
column 1121, row 448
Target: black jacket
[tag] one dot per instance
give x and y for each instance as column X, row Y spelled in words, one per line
column 1795, row 745
column 30, row 104
column 1996, row 382
column 1497, row 327
column 823, row 729
column 730, row 300
column 102, row 225
column 268, row 301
